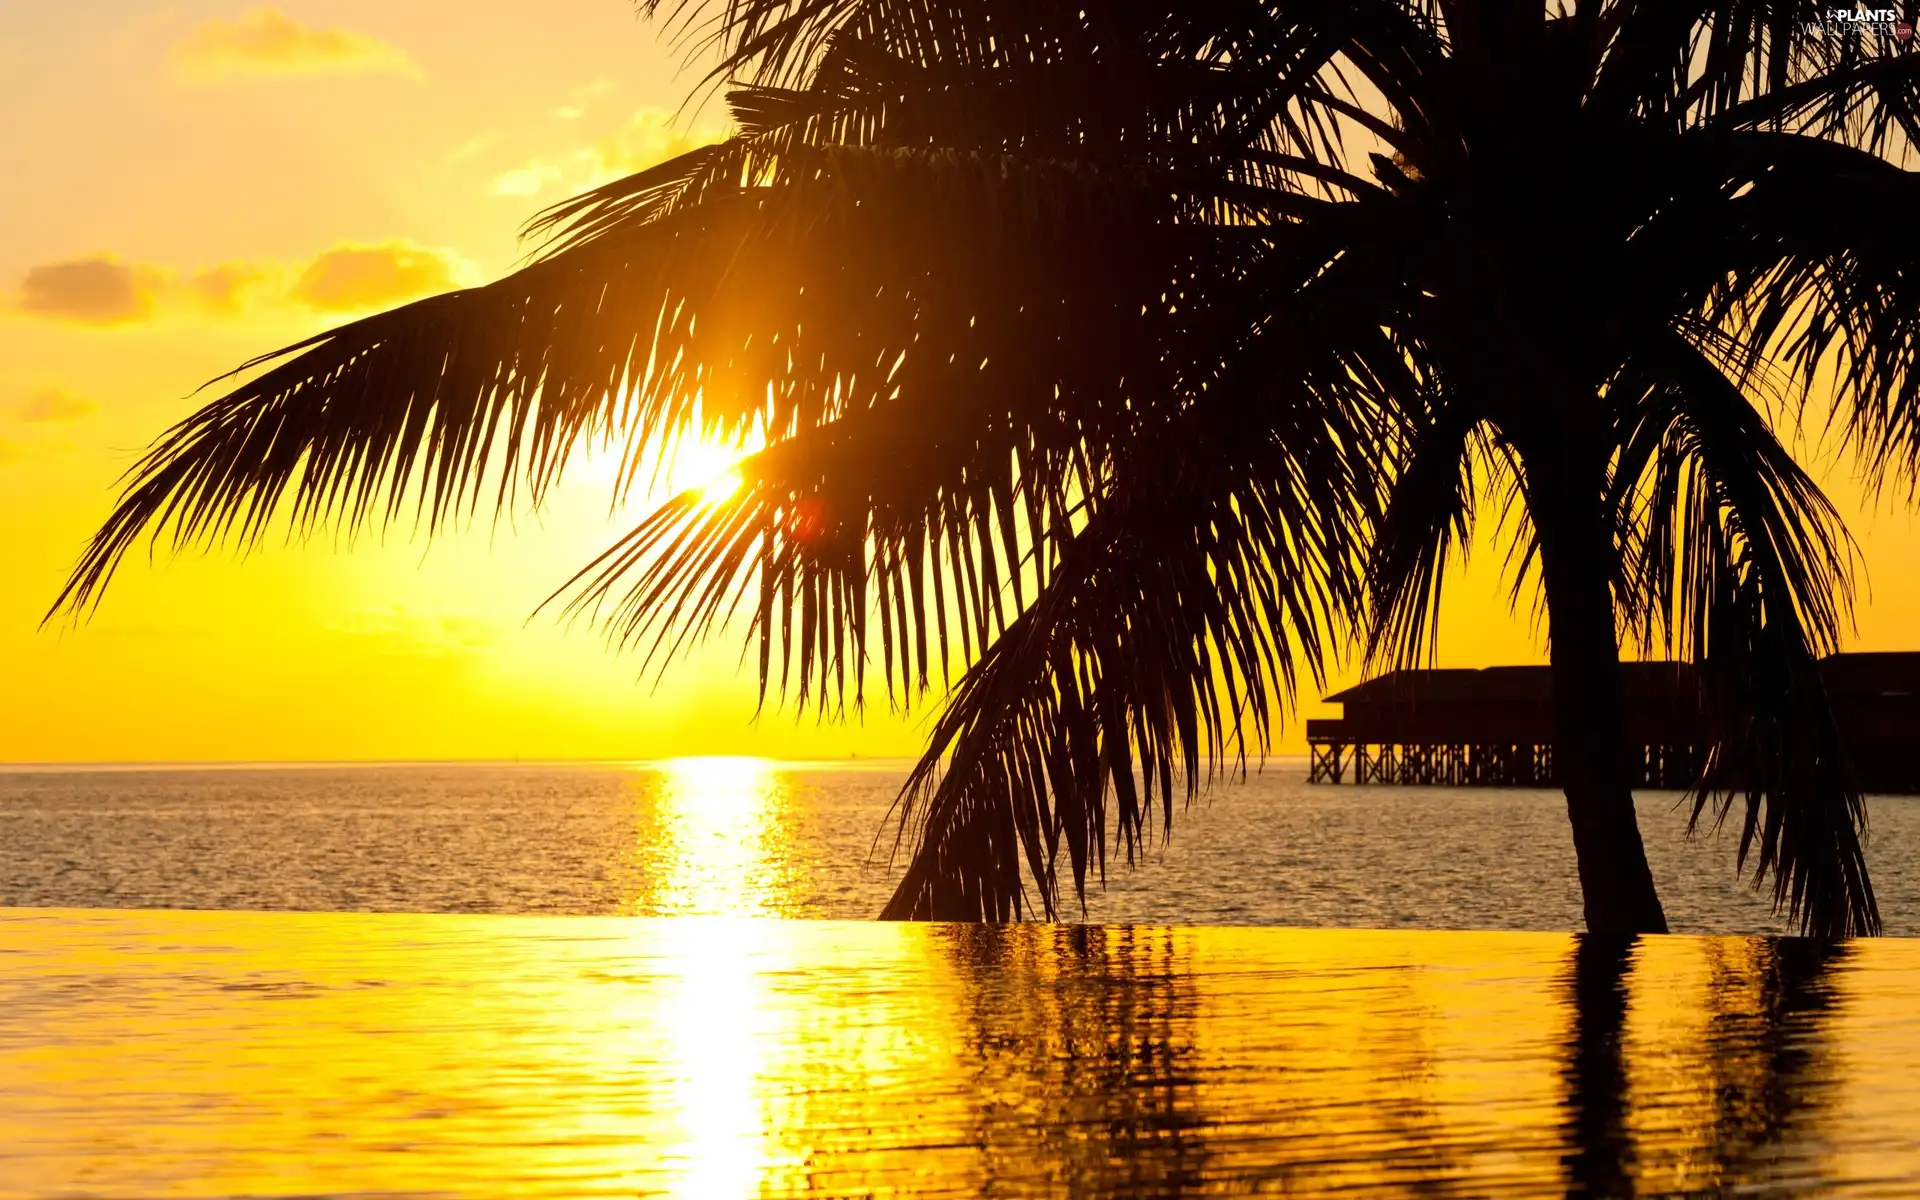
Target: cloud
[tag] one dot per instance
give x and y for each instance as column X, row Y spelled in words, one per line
column 227, row 290
column 474, row 145
column 580, row 99
column 52, row 404
column 354, row 278
column 350, row 277
column 527, row 180
column 401, row 630
column 12, row 451
column 93, row 291
column 649, row 139
column 266, row 41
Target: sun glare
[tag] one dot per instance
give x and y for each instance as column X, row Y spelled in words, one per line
column 722, row 823
column 707, row 467
column 723, row 815
column 699, row 463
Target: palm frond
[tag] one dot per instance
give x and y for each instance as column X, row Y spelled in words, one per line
column 1796, row 249
column 1679, row 62
column 1742, row 562
column 1174, row 629
column 947, row 488
column 346, row 425
column 1428, row 517
column 935, row 488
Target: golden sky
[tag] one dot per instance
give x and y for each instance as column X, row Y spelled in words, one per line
column 187, row 185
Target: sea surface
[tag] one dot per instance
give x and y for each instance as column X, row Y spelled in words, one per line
column 573, row 981
column 202, row 1054
column 747, row 837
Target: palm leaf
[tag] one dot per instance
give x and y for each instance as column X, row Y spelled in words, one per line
column 1744, row 564
column 1176, row 625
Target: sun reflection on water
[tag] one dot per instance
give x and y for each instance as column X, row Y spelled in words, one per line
column 213, row 1054
column 712, row 1023
column 723, row 820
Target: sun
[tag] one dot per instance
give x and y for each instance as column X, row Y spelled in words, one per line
column 710, row 468
column 695, row 455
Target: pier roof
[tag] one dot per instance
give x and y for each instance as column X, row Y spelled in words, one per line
column 1531, row 684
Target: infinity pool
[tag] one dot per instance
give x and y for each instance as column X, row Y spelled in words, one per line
column 275, row 1054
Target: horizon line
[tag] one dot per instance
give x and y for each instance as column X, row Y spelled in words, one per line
column 583, row 760
column 22, row 766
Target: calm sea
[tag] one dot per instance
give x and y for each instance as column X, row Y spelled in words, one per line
column 746, row 837
column 390, row 1045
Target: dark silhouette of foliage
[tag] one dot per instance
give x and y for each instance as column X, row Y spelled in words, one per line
column 1128, row 358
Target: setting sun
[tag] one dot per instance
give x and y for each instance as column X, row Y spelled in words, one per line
column 709, row 467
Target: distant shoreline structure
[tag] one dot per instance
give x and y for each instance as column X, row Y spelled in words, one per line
column 1493, row 727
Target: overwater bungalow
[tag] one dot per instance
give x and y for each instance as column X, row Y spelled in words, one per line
column 1493, row 727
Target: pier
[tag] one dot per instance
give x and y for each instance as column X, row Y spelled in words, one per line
column 1493, row 727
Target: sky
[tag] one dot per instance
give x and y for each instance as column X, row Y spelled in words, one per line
column 187, row 185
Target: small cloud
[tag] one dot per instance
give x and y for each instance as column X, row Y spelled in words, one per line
column 93, row 291
column 104, row 291
column 651, row 138
column 474, row 145
column 580, row 99
column 54, row 404
column 266, row 41
column 226, row 290
column 525, row 181
column 356, row 278
column 432, row 635
column 12, row 451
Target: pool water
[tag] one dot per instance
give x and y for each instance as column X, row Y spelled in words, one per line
column 204, row 1054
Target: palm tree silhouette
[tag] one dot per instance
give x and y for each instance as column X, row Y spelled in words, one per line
column 1132, row 358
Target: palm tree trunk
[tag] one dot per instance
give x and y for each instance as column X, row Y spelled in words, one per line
column 1577, row 552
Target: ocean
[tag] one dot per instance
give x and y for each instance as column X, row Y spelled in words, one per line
column 577, row 981
column 747, row 837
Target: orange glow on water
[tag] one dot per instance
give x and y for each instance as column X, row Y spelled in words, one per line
column 722, row 816
column 255, row 1053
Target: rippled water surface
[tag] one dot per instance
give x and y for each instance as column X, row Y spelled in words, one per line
column 270, row 1054
column 406, row 1050
column 746, row 837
